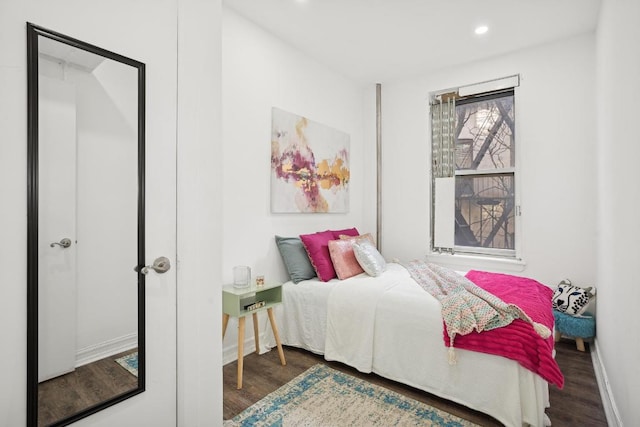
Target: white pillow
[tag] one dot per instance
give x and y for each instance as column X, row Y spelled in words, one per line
column 368, row 257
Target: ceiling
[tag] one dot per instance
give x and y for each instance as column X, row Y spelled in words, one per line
column 67, row 54
column 380, row 40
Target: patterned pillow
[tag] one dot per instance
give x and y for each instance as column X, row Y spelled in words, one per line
column 343, row 258
column 571, row 299
column 368, row 257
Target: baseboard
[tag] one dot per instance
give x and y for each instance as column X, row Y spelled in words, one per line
column 610, row 409
column 104, row 349
column 230, row 352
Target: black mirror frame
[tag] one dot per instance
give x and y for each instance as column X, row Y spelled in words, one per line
column 33, row 32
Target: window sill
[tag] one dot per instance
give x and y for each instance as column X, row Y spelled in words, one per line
column 463, row 262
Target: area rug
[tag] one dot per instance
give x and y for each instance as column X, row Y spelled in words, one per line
column 322, row 396
column 129, row 362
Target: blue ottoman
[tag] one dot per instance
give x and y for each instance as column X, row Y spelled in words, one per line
column 577, row 327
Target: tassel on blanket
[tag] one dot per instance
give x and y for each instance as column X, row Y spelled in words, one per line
column 452, row 356
column 542, row 330
column 452, row 352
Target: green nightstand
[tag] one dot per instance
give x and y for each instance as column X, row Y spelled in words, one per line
column 239, row 302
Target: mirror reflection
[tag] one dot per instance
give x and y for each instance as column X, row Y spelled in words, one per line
column 88, row 213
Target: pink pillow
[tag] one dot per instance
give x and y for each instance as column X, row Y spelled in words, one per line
column 317, row 247
column 343, row 258
column 347, row 232
column 358, row 238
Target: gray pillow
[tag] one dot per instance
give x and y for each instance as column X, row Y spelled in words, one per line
column 295, row 258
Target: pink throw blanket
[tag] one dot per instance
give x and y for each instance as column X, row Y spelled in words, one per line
column 517, row 341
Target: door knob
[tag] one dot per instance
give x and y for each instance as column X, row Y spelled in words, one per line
column 64, row 243
column 160, row 265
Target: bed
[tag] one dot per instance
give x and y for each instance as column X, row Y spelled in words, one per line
column 390, row 326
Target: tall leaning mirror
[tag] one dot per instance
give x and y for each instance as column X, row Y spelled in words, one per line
column 85, row 228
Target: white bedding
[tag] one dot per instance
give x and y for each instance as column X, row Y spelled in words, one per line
column 390, row 326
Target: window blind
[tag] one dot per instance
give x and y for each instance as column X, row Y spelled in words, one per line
column 443, row 112
column 443, row 170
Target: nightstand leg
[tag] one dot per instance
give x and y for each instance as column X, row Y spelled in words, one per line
column 255, row 332
column 225, row 322
column 240, row 350
column 276, row 335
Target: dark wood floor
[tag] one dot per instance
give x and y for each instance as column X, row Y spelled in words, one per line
column 88, row 385
column 577, row 404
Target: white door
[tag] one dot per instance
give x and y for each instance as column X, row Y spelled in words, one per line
column 105, row 144
column 157, row 405
column 57, row 292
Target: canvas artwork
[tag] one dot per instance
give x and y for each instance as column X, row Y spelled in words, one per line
column 309, row 166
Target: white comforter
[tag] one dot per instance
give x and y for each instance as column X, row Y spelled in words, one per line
column 390, row 326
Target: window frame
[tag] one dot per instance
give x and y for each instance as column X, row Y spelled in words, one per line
column 509, row 255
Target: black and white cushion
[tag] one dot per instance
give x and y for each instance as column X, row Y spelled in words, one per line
column 571, row 299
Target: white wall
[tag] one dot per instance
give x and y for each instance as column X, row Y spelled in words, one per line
column 13, row 216
column 147, row 31
column 555, row 122
column 260, row 72
column 618, row 252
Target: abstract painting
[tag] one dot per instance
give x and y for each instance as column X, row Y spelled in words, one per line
column 309, row 166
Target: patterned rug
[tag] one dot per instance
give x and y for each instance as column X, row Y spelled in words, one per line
column 129, row 362
column 322, row 396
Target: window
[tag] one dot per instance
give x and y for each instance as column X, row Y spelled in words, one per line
column 473, row 173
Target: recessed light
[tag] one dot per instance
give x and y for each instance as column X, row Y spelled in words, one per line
column 481, row 29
